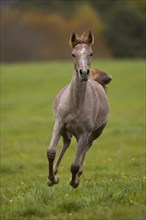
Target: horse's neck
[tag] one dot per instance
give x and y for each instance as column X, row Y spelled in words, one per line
column 77, row 91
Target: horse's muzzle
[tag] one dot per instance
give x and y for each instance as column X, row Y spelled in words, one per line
column 84, row 74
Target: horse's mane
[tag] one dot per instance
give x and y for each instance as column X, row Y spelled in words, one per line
column 101, row 77
column 80, row 40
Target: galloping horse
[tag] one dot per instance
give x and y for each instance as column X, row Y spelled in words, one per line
column 81, row 109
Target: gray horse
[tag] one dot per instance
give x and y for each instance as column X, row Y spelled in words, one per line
column 81, row 109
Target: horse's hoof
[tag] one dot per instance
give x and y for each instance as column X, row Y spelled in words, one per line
column 75, row 183
column 52, row 182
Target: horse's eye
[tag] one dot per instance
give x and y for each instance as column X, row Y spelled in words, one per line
column 91, row 54
column 73, row 55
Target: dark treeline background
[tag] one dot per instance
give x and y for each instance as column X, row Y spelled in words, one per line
column 40, row 29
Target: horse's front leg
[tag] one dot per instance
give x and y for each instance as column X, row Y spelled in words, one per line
column 52, row 179
column 66, row 143
column 76, row 167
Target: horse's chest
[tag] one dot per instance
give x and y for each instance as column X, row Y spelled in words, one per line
column 76, row 124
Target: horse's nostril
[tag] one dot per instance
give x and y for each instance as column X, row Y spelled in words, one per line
column 81, row 71
column 87, row 71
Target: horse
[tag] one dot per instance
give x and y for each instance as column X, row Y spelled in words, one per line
column 81, row 110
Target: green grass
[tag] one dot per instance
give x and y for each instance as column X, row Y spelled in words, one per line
column 113, row 183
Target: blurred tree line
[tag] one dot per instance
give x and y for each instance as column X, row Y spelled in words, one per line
column 40, row 29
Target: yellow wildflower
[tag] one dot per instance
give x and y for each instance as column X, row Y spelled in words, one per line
column 109, row 159
column 133, row 158
column 22, row 183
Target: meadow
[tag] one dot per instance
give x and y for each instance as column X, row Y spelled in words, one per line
column 112, row 186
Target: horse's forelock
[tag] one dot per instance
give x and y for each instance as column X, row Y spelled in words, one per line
column 80, row 40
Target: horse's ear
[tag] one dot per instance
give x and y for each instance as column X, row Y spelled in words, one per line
column 90, row 38
column 72, row 40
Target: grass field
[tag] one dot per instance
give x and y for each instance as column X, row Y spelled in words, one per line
column 113, row 184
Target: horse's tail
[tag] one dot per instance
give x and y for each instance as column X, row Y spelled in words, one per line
column 101, row 77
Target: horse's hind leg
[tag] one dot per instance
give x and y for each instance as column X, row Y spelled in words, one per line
column 52, row 179
column 83, row 147
column 66, row 143
column 81, row 165
column 78, row 162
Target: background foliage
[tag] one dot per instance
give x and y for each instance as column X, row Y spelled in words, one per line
column 40, row 30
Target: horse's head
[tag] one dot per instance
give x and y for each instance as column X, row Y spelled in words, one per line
column 82, row 54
